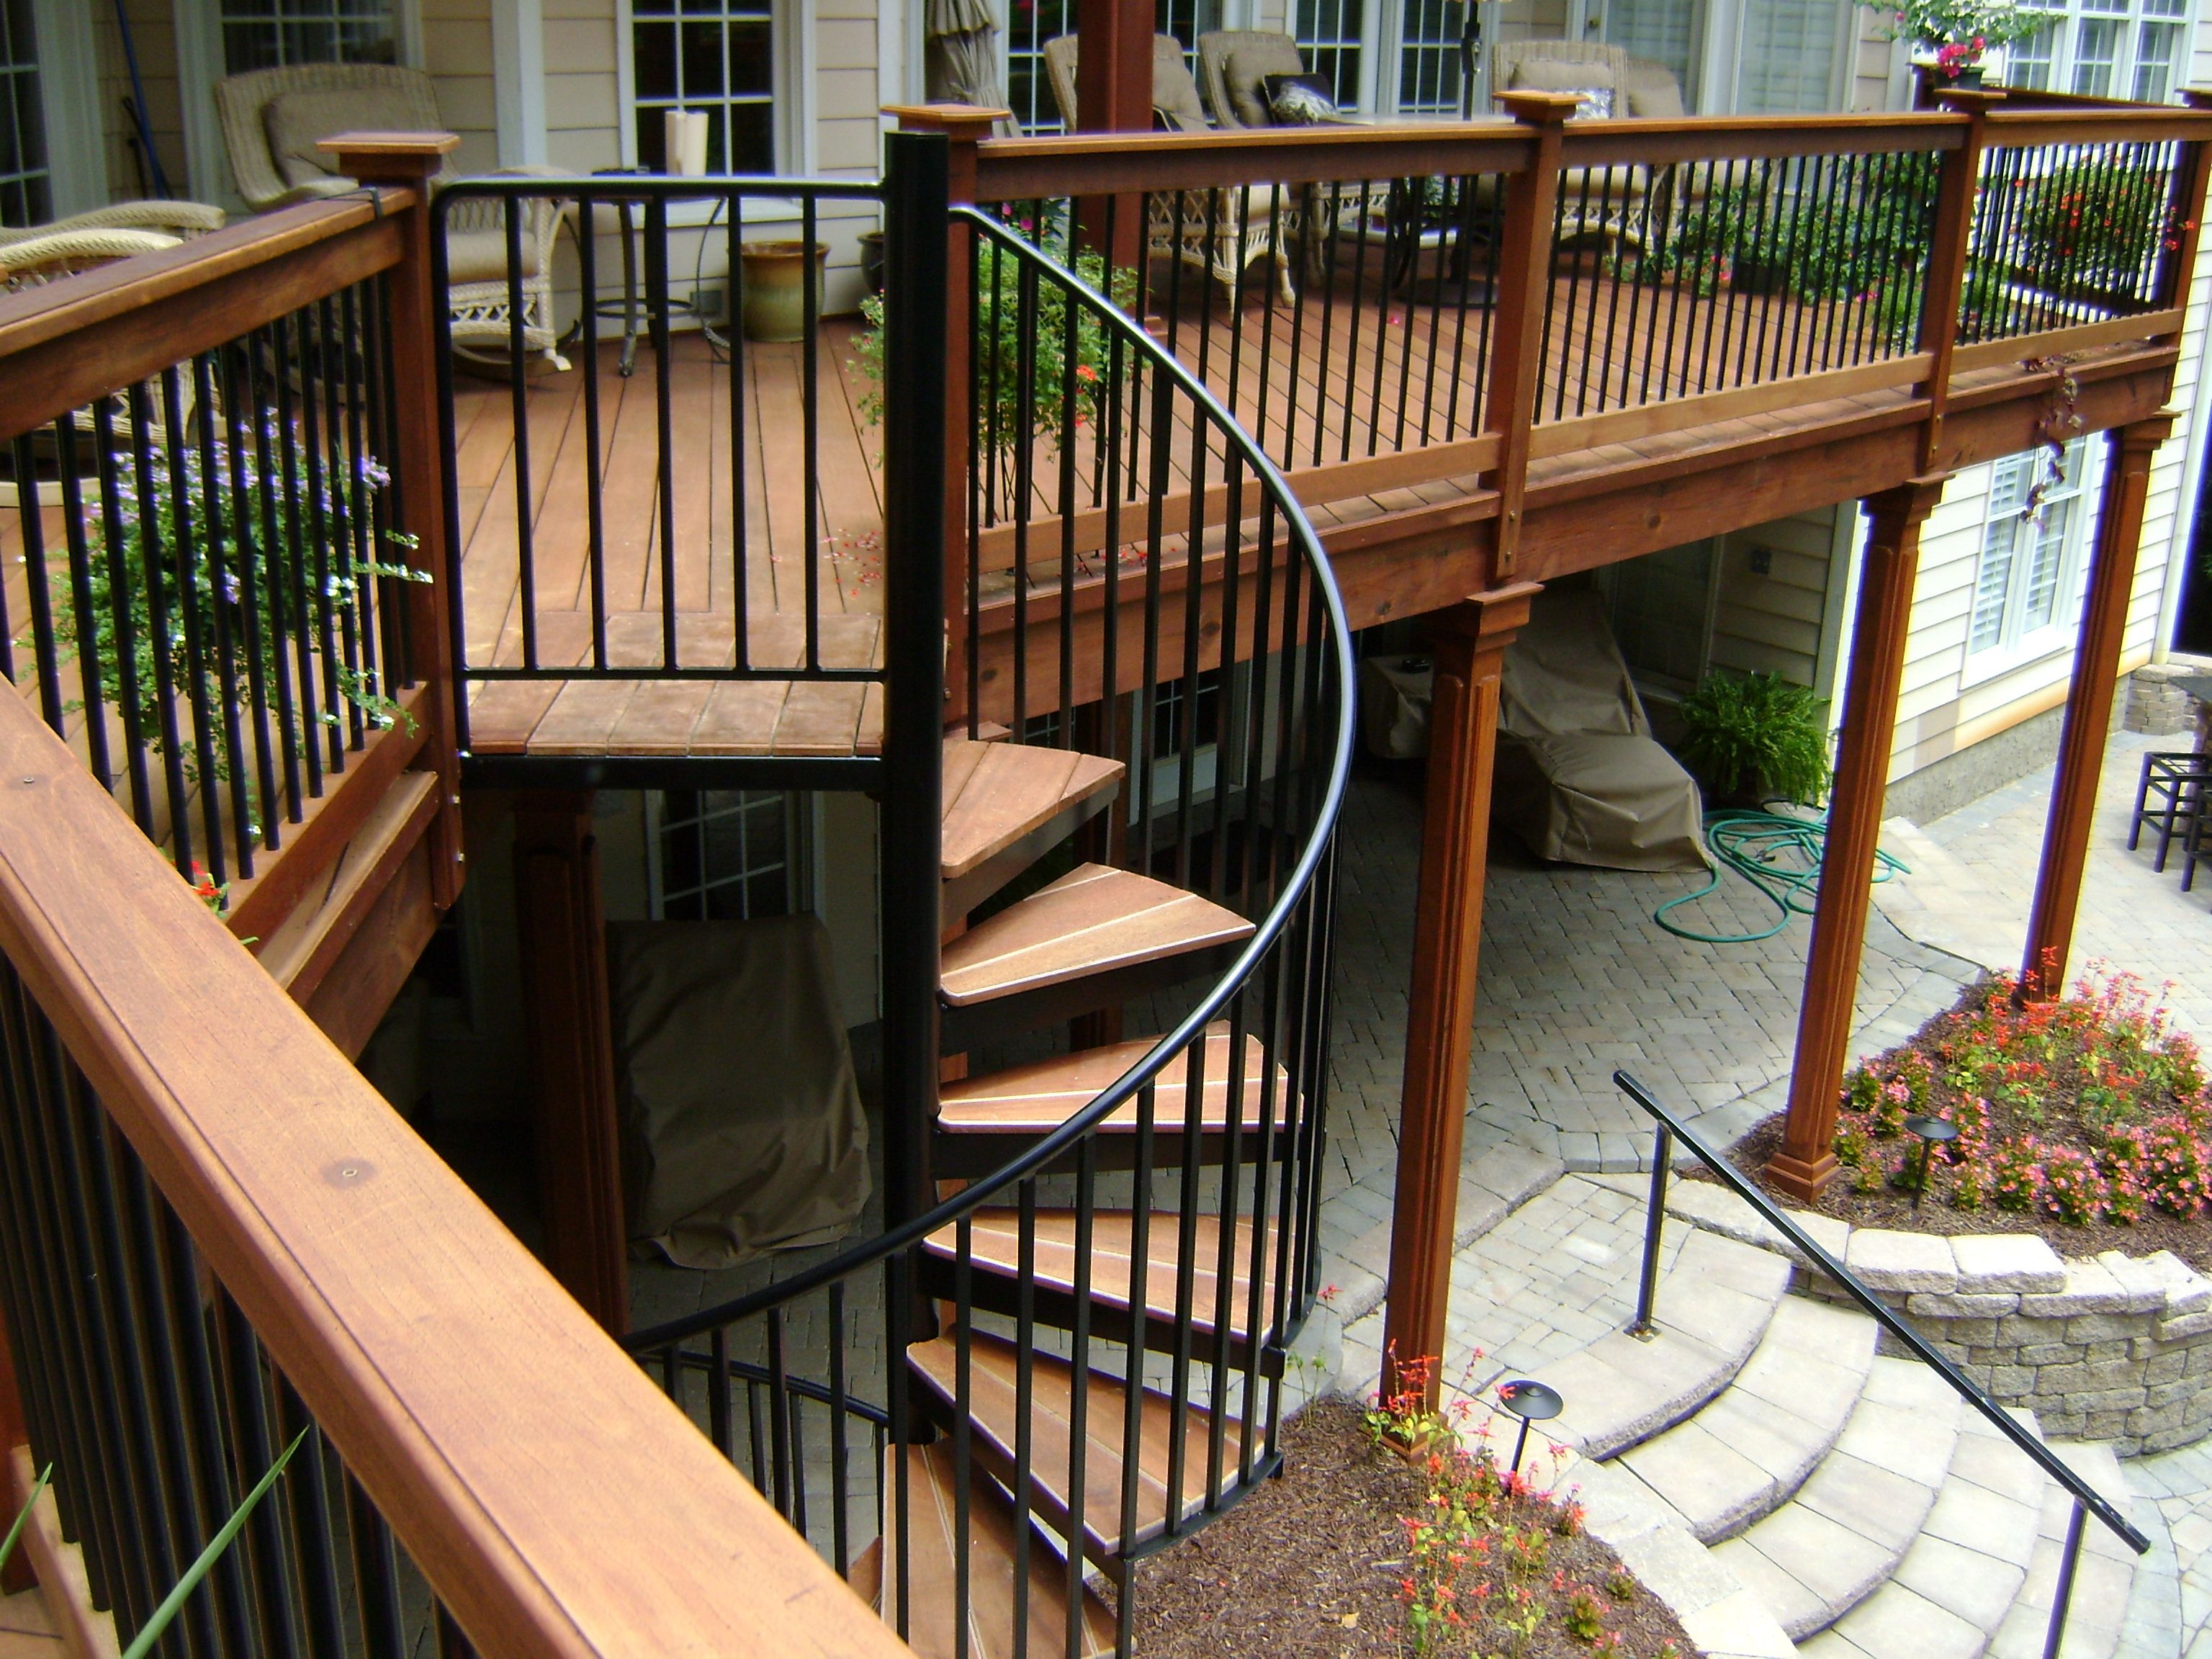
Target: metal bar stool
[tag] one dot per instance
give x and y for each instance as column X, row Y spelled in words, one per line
column 2181, row 781
column 2196, row 839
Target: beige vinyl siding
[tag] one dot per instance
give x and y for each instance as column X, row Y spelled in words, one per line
column 1771, row 623
column 455, row 42
column 583, row 107
column 1874, row 85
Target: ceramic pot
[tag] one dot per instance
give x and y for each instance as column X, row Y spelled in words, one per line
column 776, row 297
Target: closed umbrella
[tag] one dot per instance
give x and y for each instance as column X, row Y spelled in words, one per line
column 960, row 62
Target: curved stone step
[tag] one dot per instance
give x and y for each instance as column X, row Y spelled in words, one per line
column 1963, row 1574
column 1846, row 1531
column 1758, row 1440
column 2104, row 1579
column 1714, row 1305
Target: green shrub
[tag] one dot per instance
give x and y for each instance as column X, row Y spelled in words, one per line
column 1752, row 733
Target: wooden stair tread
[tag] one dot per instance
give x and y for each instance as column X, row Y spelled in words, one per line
column 1093, row 919
column 933, row 1572
column 997, row 793
column 993, row 1410
column 1038, row 1098
column 997, row 1249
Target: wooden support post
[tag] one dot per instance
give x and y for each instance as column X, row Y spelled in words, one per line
column 1114, row 65
column 1524, row 289
column 1959, row 180
column 567, row 1024
column 1806, row 1162
column 15, row 1431
column 2089, row 705
column 410, row 159
column 965, row 125
column 1469, row 643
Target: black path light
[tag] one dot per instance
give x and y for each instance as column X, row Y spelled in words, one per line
column 1932, row 1131
column 1531, row 1403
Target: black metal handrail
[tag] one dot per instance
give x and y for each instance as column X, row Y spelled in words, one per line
column 1256, row 834
column 2086, row 1498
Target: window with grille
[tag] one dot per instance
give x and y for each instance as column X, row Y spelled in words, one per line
column 726, row 854
column 2104, row 49
column 26, row 188
column 1428, row 57
column 1029, row 91
column 266, row 33
column 1331, row 37
column 715, row 56
column 2027, row 557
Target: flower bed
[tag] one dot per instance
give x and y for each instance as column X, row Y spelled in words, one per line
column 1359, row 1552
column 2088, row 1117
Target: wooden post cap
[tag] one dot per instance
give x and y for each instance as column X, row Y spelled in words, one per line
column 2197, row 97
column 1967, row 100
column 378, row 157
column 956, row 120
column 1539, row 108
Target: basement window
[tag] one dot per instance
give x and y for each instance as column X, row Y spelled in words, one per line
column 725, row 854
column 2027, row 572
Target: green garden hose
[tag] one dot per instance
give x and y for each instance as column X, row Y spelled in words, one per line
column 1779, row 855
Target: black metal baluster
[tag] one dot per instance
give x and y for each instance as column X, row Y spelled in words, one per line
column 122, row 622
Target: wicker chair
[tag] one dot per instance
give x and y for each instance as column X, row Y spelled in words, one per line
column 32, row 258
column 177, row 221
column 1234, row 63
column 1222, row 240
column 1579, row 65
column 269, row 119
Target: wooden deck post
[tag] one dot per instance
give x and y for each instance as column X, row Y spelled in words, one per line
column 569, row 1026
column 2089, row 705
column 1468, row 648
column 1806, row 1162
column 1114, row 65
column 965, row 125
column 410, row 159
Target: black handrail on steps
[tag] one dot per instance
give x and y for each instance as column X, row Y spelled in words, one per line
column 2086, row 1498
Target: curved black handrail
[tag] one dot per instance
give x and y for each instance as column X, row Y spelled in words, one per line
column 1672, row 1128
column 1061, row 1141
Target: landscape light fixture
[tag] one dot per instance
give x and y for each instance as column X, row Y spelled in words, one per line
column 1531, row 1403
column 1932, row 1131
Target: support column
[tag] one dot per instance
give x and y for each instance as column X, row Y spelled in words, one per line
column 568, row 1027
column 1114, row 65
column 2089, row 705
column 1807, row 1161
column 1468, row 648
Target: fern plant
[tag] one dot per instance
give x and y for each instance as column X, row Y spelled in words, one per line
column 1756, row 733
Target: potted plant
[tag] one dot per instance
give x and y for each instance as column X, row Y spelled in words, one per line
column 1950, row 37
column 1752, row 738
column 776, row 274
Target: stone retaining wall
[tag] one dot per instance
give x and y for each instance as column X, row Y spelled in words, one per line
column 2116, row 1348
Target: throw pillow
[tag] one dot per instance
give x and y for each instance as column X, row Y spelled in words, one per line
column 1592, row 103
column 1244, row 72
column 1299, row 100
column 1659, row 102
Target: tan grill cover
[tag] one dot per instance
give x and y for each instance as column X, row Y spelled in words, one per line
column 1579, row 776
column 741, row 1126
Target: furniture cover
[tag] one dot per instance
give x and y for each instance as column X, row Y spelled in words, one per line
column 1579, row 775
column 741, row 1126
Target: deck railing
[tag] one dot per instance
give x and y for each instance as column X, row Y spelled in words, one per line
column 1395, row 306
column 220, row 601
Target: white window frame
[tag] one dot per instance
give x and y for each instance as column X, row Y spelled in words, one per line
column 2018, row 643
column 2068, row 18
column 201, row 64
column 791, row 36
column 1383, row 52
column 801, row 823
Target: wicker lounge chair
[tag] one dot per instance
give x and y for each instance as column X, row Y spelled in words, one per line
column 271, row 118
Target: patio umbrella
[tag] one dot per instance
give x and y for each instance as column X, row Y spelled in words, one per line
column 960, row 58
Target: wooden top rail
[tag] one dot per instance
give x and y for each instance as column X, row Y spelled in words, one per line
column 1078, row 164
column 589, row 1518
column 65, row 343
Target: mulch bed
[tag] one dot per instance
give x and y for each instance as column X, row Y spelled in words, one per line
column 1310, row 1567
column 2190, row 1239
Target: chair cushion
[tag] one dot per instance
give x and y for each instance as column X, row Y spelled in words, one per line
column 1561, row 75
column 480, row 256
column 1654, row 94
column 1174, row 93
column 1248, row 85
column 295, row 121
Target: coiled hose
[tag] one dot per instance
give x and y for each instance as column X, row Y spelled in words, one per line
column 1778, row 855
